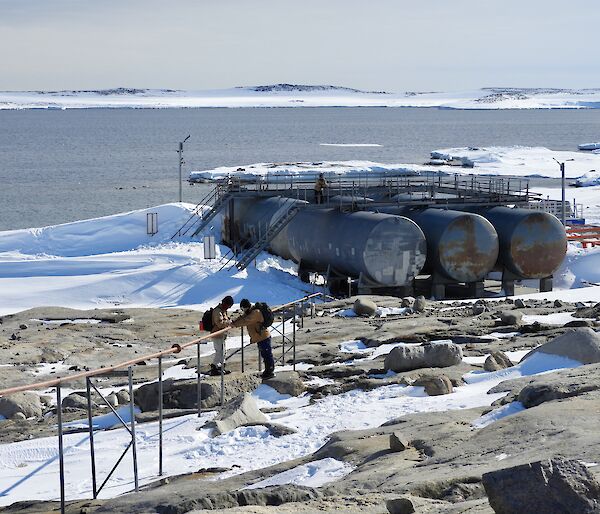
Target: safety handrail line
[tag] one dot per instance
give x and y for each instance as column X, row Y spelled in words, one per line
column 176, row 348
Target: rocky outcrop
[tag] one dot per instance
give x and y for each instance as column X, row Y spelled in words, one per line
column 398, row 443
column 183, row 394
column 578, row 344
column 427, row 355
column 555, row 486
column 435, row 385
column 21, row 406
column 239, row 412
column 496, row 361
column 364, row 307
column 287, row 382
column 511, row 317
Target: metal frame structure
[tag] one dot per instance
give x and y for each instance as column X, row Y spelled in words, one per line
column 175, row 349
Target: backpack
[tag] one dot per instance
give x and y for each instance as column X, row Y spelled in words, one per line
column 267, row 314
column 207, row 320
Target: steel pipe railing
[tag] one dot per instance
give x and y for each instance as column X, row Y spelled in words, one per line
column 175, row 349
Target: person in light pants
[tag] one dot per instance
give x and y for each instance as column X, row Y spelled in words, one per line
column 220, row 320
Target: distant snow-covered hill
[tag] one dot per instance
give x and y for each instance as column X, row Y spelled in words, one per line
column 297, row 95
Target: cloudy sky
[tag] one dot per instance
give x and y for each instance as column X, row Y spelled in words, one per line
column 395, row 45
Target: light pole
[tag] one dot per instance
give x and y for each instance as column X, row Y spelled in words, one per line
column 563, row 192
column 180, row 152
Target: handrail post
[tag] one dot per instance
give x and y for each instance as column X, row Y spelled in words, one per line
column 294, row 339
column 283, row 338
column 160, row 418
column 199, row 382
column 61, row 454
column 223, row 375
column 242, row 348
column 91, row 430
column 133, row 441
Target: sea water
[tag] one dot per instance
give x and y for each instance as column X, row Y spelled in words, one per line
column 59, row 166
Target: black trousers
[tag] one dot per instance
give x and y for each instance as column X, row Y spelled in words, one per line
column 266, row 352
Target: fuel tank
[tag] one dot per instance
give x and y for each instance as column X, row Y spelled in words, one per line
column 387, row 250
column 460, row 246
column 533, row 244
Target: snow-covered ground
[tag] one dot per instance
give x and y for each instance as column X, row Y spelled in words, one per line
column 111, row 261
column 520, row 161
column 29, row 469
column 285, row 95
column 515, row 161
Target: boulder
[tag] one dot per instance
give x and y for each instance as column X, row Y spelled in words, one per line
column 76, row 401
column 511, row 317
column 407, row 301
column 400, row 506
column 497, row 360
column 364, row 307
column 435, row 385
column 275, row 429
column 578, row 344
column 519, row 304
column 112, row 399
column 123, row 397
column 428, row 355
column 478, row 309
column 27, row 403
column 183, row 394
column 287, row 382
column 242, row 410
column 558, row 304
column 398, row 443
column 555, row 486
column 420, row 304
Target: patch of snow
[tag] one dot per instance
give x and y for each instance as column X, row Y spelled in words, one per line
column 556, row 318
column 351, row 145
column 313, row 474
column 496, row 414
column 536, row 364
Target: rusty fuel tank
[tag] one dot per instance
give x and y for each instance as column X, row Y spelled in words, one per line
column 460, row 246
column 533, row 244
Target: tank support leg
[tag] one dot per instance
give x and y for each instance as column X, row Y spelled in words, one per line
column 476, row 289
column 545, row 284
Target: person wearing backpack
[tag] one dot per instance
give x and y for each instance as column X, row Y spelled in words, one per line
column 256, row 319
column 218, row 321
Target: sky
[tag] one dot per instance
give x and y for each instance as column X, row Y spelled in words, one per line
column 392, row 45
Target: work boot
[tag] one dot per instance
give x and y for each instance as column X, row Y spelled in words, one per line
column 226, row 371
column 267, row 374
column 214, row 371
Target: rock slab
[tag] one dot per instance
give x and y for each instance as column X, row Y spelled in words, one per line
column 496, row 361
column 435, row 385
column 364, row 307
column 555, row 486
column 578, row 344
column 428, row 355
column 240, row 411
column 287, row 382
column 26, row 403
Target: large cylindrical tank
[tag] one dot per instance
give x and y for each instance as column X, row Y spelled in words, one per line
column 252, row 217
column 387, row 250
column 460, row 246
column 533, row 244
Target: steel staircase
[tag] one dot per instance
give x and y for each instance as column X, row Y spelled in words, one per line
column 217, row 198
column 263, row 241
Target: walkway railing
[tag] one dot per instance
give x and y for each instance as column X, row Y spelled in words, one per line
column 130, row 427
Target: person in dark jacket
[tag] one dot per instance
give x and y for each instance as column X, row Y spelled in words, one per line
column 253, row 320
